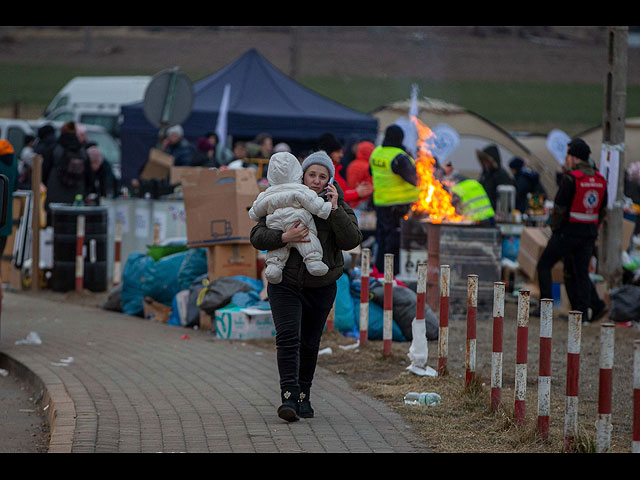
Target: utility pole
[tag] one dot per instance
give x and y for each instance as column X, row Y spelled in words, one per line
column 613, row 127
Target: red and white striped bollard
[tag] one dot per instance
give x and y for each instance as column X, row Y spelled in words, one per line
column 421, row 291
column 573, row 375
column 544, row 367
column 443, row 331
column 522, row 338
column 117, row 269
column 472, row 315
column 364, row 294
column 603, row 429
column 387, row 319
column 79, row 253
column 496, row 356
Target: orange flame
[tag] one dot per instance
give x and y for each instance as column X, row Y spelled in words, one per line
column 433, row 200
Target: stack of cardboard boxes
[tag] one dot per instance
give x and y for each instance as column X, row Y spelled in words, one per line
column 217, row 204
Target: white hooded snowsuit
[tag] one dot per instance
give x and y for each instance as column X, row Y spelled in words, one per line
column 285, row 202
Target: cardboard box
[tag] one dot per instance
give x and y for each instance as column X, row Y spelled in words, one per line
column 532, row 243
column 237, row 323
column 206, row 322
column 155, row 311
column 231, row 260
column 176, row 174
column 217, row 204
column 158, row 165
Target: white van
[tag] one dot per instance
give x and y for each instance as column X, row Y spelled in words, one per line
column 97, row 100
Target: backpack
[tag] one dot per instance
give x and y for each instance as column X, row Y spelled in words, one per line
column 72, row 167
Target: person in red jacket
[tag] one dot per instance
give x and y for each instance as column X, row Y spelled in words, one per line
column 358, row 170
column 333, row 148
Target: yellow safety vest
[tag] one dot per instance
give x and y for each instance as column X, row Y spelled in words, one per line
column 474, row 200
column 389, row 188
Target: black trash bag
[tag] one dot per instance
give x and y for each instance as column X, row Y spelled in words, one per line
column 114, row 300
column 193, row 311
column 404, row 310
column 625, row 303
column 220, row 291
column 218, row 295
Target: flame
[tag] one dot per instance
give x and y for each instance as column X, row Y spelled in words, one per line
column 433, row 200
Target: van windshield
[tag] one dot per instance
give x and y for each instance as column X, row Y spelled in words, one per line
column 109, row 122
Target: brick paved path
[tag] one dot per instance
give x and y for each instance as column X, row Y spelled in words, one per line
column 136, row 386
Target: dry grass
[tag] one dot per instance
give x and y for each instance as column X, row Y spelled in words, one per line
column 464, row 421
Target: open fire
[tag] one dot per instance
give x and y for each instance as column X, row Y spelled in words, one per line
column 434, row 201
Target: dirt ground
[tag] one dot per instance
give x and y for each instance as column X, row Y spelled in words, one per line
column 23, row 425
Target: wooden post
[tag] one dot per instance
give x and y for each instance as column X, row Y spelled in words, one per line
column 613, row 127
column 36, row 179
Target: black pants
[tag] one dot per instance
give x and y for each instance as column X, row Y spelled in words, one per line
column 577, row 251
column 595, row 302
column 388, row 234
column 299, row 316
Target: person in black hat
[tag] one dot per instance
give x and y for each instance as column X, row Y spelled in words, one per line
column 579, row 208
column 493, row 173
column 45, row 141
column 394, row 180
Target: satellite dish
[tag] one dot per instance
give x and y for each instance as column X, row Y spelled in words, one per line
column 168, row 99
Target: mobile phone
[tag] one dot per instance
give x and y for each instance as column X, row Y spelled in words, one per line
column 323, row 194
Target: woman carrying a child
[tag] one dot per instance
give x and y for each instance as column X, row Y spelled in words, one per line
column 301, row 302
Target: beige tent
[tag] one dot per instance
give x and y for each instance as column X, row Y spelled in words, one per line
column 475, row 131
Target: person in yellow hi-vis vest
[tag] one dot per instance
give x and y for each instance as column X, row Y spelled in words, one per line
column 394, row 191
column 472, row 201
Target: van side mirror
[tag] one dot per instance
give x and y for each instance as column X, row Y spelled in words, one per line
column 4, row 198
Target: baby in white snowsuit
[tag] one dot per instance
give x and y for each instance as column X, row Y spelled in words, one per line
column 285, row 202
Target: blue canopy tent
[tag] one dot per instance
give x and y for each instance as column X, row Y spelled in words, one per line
column 262, row 99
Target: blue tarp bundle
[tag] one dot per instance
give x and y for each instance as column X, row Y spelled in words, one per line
column 262, row 99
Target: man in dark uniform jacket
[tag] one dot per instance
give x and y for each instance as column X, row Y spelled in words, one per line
column 579, row 208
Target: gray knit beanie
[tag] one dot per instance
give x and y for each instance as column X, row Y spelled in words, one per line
column 319, row 158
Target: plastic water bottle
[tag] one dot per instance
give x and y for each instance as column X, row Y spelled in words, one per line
column 429, row 399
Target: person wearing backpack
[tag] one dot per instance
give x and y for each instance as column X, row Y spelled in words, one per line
column 65, row 169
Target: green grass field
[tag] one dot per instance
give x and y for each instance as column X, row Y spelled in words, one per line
column 524, row 106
